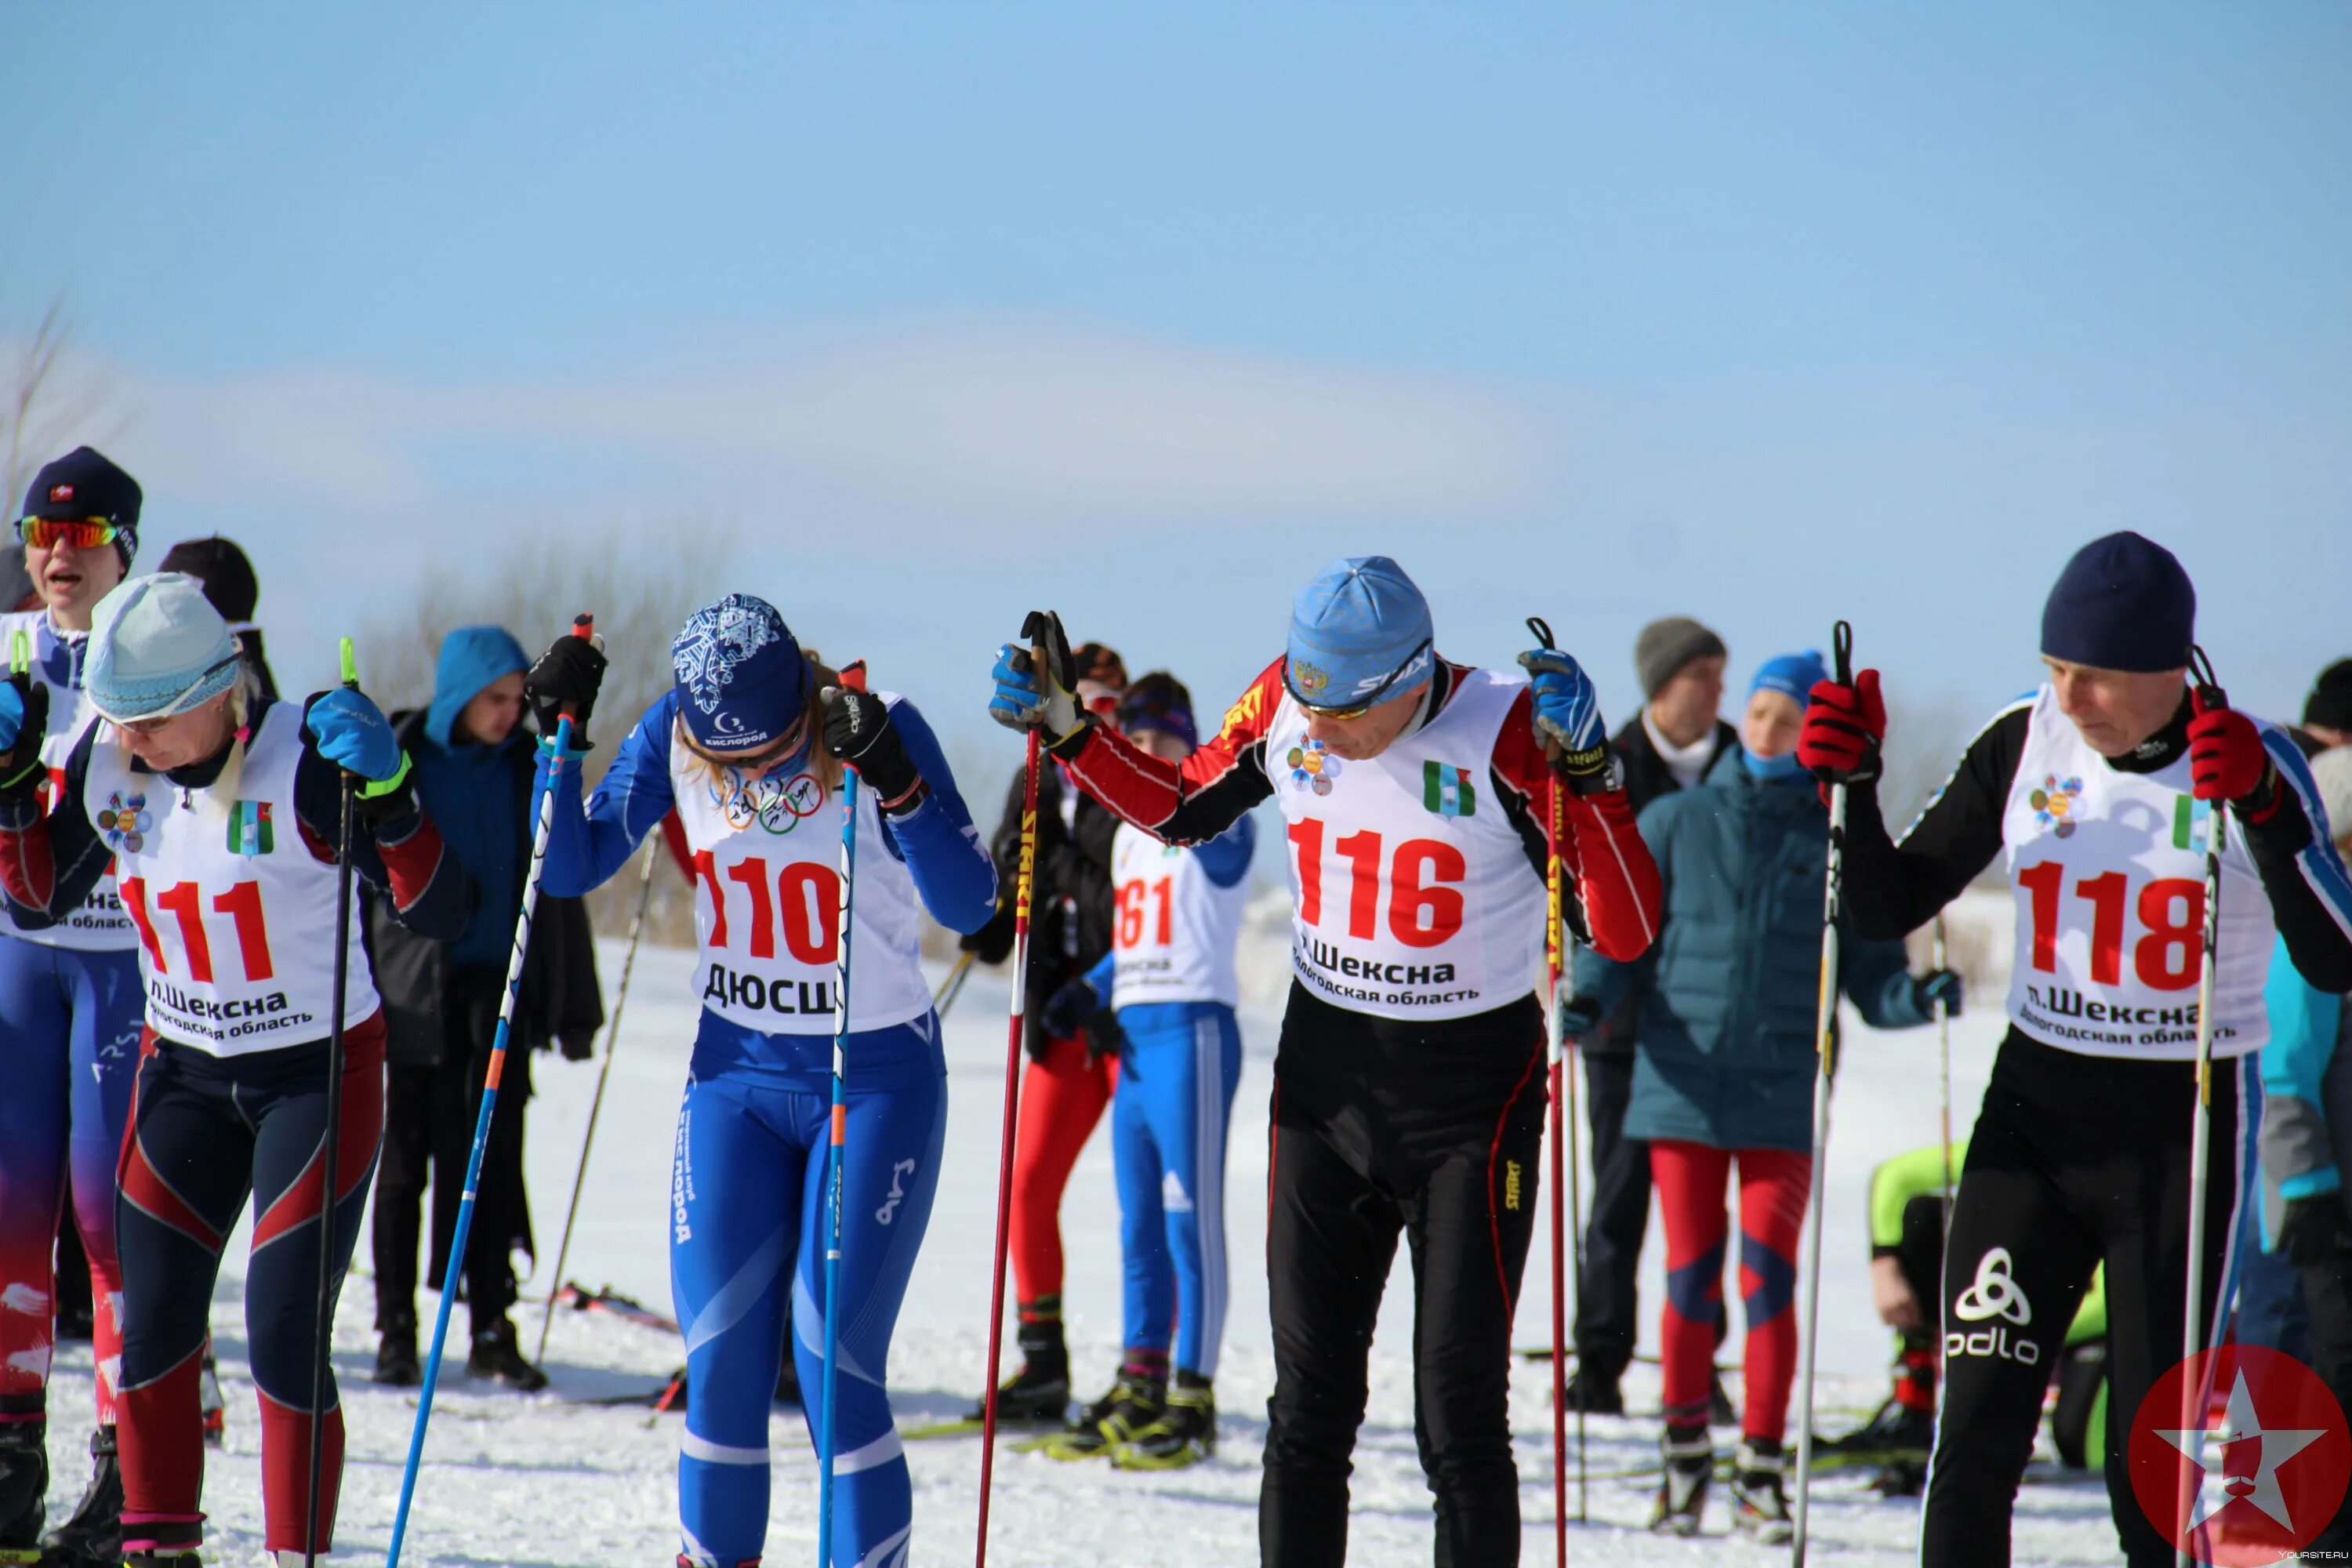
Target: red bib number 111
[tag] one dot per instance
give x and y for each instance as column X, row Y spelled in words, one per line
column 1423, row 912
column 184, row 902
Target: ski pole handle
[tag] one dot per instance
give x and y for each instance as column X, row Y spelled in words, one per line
column 2209, row 690
column 1841, row 652
column 350, row 662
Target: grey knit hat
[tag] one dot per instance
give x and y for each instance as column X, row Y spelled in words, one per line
column 1667, row 645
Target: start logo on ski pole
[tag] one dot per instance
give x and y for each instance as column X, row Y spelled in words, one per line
column 2269, row 1467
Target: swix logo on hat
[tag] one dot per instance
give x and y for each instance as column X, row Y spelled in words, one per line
column 2260, row 1465
column 60, row 492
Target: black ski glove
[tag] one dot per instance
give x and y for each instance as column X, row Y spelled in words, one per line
column 566, row 675
column 2313, row 1230
column 858, row 730
column 1579, row 1016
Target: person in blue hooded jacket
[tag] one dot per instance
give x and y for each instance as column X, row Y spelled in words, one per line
column 1725, row 1071
column 471, row 757
column 2306, row 1130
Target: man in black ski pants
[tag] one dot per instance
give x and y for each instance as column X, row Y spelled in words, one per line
column 1668, row 746
column 2100, row 791
column 1408, row 1092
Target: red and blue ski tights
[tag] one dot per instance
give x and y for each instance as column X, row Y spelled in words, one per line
column 1690, row 1179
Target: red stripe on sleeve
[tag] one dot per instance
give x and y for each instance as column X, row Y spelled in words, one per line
column 1616, row 880
column 1141, row 789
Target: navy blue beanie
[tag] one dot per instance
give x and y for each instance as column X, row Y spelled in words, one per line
column 2123, row 602
column 741, row 682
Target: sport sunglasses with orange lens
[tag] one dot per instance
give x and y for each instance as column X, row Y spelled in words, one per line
column 48, row 532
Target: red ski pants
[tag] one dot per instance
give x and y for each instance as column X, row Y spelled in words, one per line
column 1690, row 1179
column 1063, row 1096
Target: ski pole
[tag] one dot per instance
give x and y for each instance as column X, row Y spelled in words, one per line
column 2193, row 1391
column 1825, row 1045
column 952, row 988
column 853, row 678
column 1562, row 1124
column 1939, row 956
column 596, row 1103
column 1034, row 628
column 330, row 1144
column 582, row 627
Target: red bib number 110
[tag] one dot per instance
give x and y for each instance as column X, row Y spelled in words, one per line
column 806, row 908
column 2171, row 913
column 1422, row 910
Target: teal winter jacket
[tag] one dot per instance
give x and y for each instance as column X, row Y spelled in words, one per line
column 1729, row 987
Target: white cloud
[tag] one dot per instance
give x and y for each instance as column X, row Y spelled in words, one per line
column 942, row 420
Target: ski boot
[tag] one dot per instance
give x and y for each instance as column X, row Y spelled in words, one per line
column 1594, row 1395
column 1760, row 1505
column 162, row 1543
column 1895, row 1428
column 1039, row 1391
column 92, row 1538
column 24, row 1488
column 1689, row 1454
column 497, row 1356
column 209, row 1402
column 1134, row 1403
column 1185, row 1434
column 395, row 1352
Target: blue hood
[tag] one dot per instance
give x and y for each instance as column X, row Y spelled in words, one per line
column 472, row 657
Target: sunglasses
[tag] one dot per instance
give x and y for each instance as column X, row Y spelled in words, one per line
column 81, row 532
column 1372, row 699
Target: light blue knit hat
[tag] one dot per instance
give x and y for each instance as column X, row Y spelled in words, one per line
column 157, row 648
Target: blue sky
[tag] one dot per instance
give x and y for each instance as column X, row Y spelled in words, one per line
column 1765, row 314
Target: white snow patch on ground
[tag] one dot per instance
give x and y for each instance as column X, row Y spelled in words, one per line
column 541, row 1483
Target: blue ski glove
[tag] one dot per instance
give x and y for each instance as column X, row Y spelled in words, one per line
column 1937, row 986
column 1567, row 720
column 1028, row 698
column 1067, row 1011
column 24, row 716
column 1579, row 1016
column 355, row 735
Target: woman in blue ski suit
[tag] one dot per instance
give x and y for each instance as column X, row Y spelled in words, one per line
column 735, row 748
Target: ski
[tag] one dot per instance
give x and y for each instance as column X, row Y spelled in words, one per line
column 579, row 1298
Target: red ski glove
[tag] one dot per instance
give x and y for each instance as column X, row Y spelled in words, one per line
column 2226, row 758
column 1844, row 727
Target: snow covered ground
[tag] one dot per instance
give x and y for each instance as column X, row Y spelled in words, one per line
column 541, row 1482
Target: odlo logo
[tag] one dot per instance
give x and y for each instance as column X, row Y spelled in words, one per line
column 899, row 1175
column 2240, row 1455
column 1993, row 1294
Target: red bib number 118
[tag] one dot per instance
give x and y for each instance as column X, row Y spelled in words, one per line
column 1422, row 910
column 2172, row 914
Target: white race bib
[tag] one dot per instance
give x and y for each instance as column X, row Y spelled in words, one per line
column 1174, row 929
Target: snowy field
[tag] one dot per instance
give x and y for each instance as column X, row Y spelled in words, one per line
column 543, row 1482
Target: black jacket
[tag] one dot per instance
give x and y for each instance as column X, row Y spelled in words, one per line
column 560, row 1001
column 1070, row 909
column 1647, row 777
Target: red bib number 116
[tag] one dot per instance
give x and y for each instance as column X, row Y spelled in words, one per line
column 2172, row 914
column 1422, row 910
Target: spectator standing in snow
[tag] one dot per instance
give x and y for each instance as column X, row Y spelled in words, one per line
column 473, row 757
column 1725, row 1075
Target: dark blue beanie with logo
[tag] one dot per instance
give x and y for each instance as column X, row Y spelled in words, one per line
column 2123, row 602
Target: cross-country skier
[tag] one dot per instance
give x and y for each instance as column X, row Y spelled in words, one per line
column 1170, row 976
column 2306, row 1139
column 2097, row 791
column 1724, row 1072
column 1408, row 1082
column 748, row 748
column 221, row 811
column 1073, row 1069
column 69, row 1012
column 1906, row 1256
